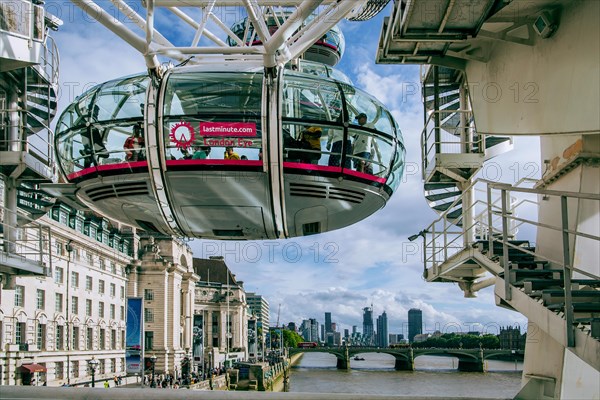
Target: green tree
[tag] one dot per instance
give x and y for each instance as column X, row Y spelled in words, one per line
column 291, row 339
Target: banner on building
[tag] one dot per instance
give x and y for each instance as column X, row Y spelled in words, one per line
column 198, row 345
column 134, row 339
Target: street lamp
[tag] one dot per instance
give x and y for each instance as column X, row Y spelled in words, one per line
column 92, row 365
column 153, row 361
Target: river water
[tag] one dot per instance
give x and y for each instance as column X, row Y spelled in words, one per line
column 434, row 376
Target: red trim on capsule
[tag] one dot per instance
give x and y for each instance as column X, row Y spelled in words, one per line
column 108, row 167
column 245, row 163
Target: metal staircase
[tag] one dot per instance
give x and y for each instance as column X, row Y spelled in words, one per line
column 28, row 103
column 549, row 292
column 452, row 150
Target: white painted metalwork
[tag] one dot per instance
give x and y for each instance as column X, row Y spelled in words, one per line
column 210, row 20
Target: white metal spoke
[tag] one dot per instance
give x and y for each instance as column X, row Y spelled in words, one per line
column 260, row 26
column 187, row 19
column 291, row 24
column 139, row 20
column 320, row 25
column 283, row 38
column 205, row 13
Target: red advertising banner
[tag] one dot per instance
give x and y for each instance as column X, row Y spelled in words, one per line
column 241, row 129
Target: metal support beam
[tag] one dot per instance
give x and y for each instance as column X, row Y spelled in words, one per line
column 567, row 271
column 505, row 260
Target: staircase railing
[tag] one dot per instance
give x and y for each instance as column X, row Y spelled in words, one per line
column 569, row 237
column 499, row 221
column 37, row 145
column 443, row 239
column 437, row 139
column 49, row 66
column 28, row 240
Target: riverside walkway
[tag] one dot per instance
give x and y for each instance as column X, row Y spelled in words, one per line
column 469, row 360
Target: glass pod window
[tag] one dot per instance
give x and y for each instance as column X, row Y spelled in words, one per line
column 311, row 108
column 207, row 113
column 95, row 129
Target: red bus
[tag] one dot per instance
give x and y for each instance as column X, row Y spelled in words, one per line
column 307, row 344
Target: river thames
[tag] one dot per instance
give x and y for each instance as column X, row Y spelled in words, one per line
column 434, row 376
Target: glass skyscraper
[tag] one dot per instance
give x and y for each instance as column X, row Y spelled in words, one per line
column 415, row 323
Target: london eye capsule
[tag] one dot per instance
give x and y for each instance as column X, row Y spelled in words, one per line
column 231, row 153
column 327, row 50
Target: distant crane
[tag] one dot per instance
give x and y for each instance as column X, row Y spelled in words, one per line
column 278, row 311
column 277, row 326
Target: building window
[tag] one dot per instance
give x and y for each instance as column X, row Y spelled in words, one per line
column 122, row 292
column 102, row 366
column 113, row 339
column 90, row 339
column 75, row 369
column 41, row 299
column 112, row 311
column 148, row 294
column 20, row 331
column 41, row 337
column 60, row 338
column 75, row 305
column 58, row 275
column 75, row 338
column 113, row 267
column 102, row 263
column 88, row 308
column 101, row 286
column 216, row 342
column 101, row 309
column 148, row 315
column 59, row 370
column 122, row 316
column 148, row 340
column 58, row 302
column 215, row 323
column 89, row 283
column 113, row 289
column 113, row 365
column 102, row 339
column 75, row 279
column 19, row 296
column 90, row 259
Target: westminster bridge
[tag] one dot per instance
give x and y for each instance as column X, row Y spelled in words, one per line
column 470, row 360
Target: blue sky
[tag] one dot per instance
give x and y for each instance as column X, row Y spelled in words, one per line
column 371, row 262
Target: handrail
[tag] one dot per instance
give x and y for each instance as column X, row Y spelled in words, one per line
column 453, row 139
column 506, row 186
column 48, row 156
column 26, row 242
column 498, row 232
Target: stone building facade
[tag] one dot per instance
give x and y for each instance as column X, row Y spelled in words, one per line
column 222, row 314
column 58, row 321
column 55, row 323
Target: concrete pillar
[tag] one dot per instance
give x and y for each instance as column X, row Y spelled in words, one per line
column 344, row 362
column 405, row 364
column 471, row 364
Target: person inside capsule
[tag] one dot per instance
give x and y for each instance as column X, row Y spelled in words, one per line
column 230, row 154
column 201, row 153
column 134, row 145
column 364, row 147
